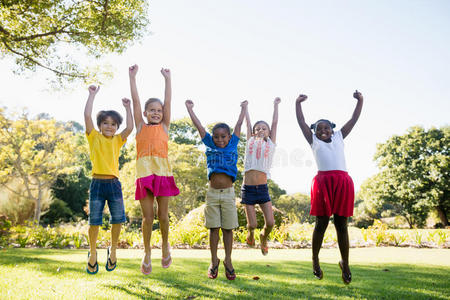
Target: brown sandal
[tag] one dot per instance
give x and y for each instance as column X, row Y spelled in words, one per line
column 346, row 277
column 212, row 272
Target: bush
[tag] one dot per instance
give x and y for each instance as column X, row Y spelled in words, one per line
column 296, row 207
column 278, row 215
column 58, row 212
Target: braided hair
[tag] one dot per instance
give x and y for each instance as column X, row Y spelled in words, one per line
column 314, row 126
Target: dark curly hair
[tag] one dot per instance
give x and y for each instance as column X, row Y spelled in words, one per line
column 103, row 114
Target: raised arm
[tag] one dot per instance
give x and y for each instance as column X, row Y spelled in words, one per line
column 237, row 128
column 273, row 130
column 126, row 132
column 249, row 124
column 345, row 130
column 93, row 90
column 301, row 119
column 195, row 120
column 138, row 120
column 167, row 98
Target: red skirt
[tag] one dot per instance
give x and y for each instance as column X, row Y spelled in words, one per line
column 332, row 192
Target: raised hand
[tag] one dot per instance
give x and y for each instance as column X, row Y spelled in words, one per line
column 244, row 103
column 277, row 100
column 357, row 95
column 189, row 104
column 126, row 102
column 165, row 73
column 301, row 98
column 133, row 70
column 93, row 90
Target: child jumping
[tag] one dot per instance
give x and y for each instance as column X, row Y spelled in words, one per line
column 104, row 148
column 332, row 191
column 153, row 172
column 258, row 160
column 220, row 210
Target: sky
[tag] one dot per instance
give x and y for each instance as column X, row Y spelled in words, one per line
column 396, row 53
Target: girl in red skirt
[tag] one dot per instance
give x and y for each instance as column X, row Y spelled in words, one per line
column 332, row 191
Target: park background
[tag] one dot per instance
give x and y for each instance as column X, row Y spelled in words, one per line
column 220, row 53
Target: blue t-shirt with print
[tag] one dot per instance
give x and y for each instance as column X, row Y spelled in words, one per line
column 221, row 160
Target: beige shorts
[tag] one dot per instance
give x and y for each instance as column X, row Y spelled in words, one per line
column 220, row 210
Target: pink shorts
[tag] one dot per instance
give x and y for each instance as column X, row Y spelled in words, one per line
column 332, row 192
column 157, row 185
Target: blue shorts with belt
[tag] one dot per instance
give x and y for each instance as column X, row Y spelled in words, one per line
column 100, row 191
column 255, row 194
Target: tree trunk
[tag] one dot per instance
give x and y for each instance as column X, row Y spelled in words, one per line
column 37, row 211
column 442, row 215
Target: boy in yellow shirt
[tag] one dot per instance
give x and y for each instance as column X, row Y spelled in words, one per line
column 104, row 148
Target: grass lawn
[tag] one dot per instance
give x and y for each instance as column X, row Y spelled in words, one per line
column 378, row 273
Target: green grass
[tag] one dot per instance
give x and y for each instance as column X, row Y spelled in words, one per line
column 378, row 273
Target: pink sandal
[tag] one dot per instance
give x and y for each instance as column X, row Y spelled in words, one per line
column 146, row 266
column 167, row 261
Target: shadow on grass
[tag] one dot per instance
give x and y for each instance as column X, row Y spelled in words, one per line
column 187, row 279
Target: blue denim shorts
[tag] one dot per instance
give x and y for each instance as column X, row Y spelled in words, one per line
column 100, row 191
column 255, row 194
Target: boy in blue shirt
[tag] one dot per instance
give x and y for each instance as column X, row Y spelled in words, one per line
column 220, row 211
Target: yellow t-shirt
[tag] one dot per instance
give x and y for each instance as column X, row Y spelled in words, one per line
column 104, row 153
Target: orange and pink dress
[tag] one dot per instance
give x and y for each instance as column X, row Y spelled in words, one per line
column 153, row 171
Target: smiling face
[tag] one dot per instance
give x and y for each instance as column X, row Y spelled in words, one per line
column 154, row 112
column 221, row 137
column 324, row 131
column 261, row 130
column 108, row 127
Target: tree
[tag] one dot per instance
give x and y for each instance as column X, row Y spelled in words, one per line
column 34, row 152
column 415, row 175
column 182, row 131
column 36, row 32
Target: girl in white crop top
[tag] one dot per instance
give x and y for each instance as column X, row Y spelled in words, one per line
column 332, row 191
column 258, row 160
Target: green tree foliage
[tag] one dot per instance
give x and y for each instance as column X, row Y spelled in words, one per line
column 182, row 131
column 414, row 177
column 34, row 152
column 34, row 32
column 296, row 207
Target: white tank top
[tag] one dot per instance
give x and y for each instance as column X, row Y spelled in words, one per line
column 259, row 155
column 329, row 156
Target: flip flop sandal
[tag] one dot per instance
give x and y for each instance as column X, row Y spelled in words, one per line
column 109, row 262
column 212, row 272
column 146, row 266
column 166, row 261
column 229, row 273
column 318, row 273
column 95, row 266
column 346, row 277
column 250, row 242
column 264, row 249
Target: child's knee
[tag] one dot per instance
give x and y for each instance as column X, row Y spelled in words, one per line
column 147, row 220
column 251, row 226
column 269, row 224
column 163, row 217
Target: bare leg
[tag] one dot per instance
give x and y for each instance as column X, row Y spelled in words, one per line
column 268, row 221
column 319, row 231
column 115, row 232
column 93, row 234
column 342, row 234
column 147, row 225
column 213, row 244
column 251, row 223
column 228, row 244
column 163, row 217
